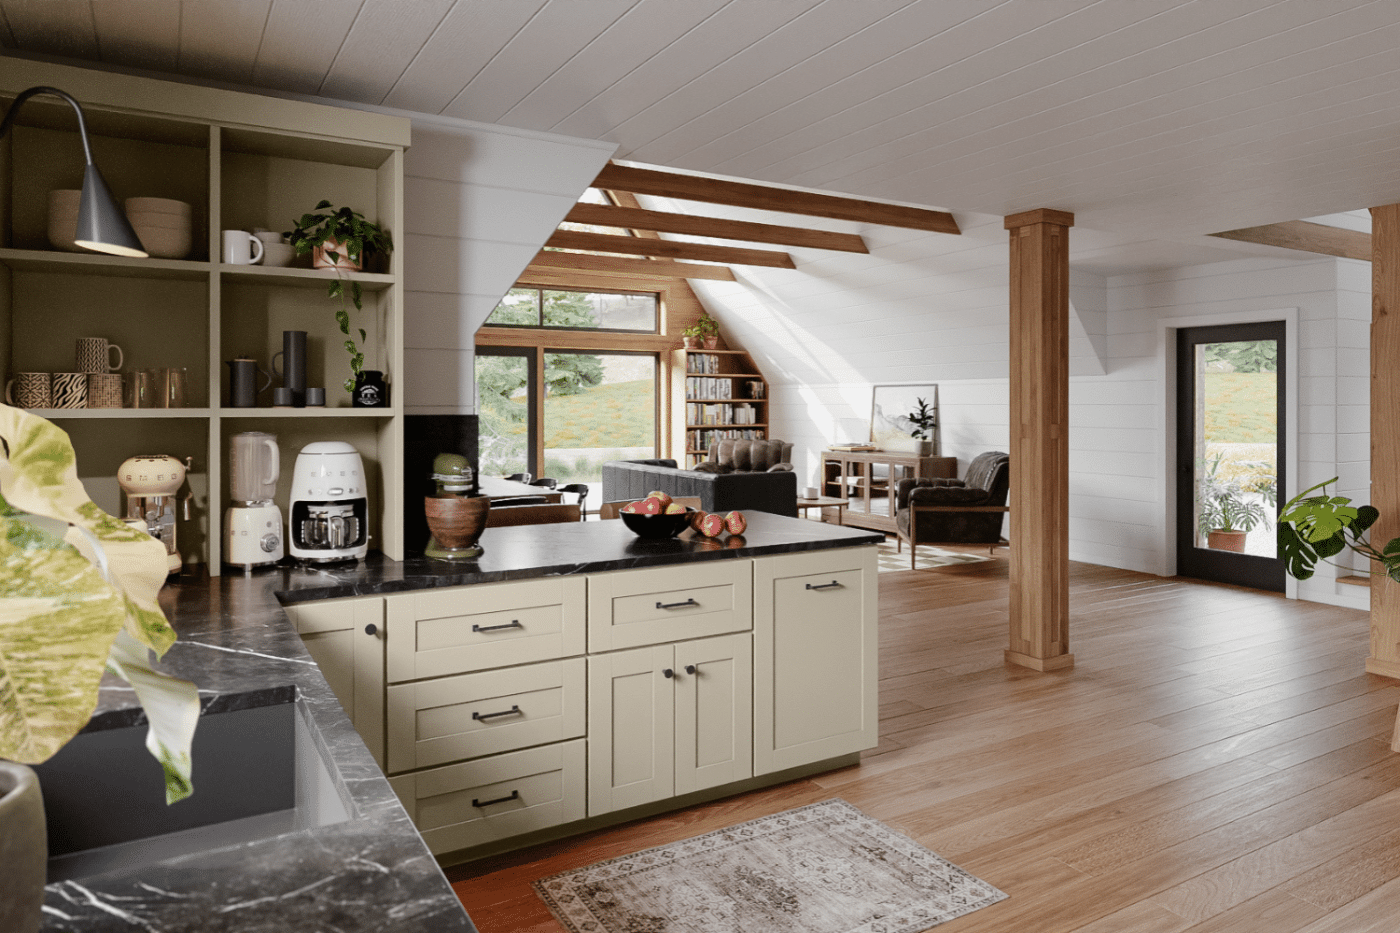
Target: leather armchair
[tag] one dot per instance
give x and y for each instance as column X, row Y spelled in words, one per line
column 952, row 511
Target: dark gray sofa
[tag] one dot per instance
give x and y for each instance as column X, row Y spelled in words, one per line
column 628, row 480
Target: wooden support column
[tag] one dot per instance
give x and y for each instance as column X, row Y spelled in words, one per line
column 1385, row 430
column 1039, row 496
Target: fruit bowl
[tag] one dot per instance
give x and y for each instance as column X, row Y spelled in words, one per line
column 657, row 526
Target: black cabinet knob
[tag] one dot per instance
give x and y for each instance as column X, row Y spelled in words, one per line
column 371, row 629
column 668, row 673
column 691, row 668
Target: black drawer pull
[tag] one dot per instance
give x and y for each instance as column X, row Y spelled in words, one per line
column 688, row 602
column 513, row 795
column 513, row 623
column 482, row 717
column 824, row 586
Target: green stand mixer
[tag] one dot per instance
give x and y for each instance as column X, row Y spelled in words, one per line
column 455, row 517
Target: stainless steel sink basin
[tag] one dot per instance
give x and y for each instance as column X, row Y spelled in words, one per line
column 258, row 772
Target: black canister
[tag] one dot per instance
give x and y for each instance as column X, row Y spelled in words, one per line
column 243, row 385
column 371, row 391
column 293, row 371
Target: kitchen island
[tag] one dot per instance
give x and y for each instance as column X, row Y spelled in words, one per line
column 370, row 870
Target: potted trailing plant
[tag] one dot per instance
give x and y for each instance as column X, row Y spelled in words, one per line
column 925, row 421
column 1316, row 527
column 704, row 332
column 339, row 238
column 77, row 597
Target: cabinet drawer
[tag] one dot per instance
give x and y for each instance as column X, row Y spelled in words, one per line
column 433, row 633
column 432, row 722
column 480, row 801
column 632, row 608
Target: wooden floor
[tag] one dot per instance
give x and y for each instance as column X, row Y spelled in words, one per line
column 1216, row 761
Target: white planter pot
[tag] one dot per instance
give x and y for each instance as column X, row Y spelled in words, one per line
column 24, row 849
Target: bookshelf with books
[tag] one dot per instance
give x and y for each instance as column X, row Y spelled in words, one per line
column 717, row 394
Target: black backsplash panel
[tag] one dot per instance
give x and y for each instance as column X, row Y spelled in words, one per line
column 424, row 437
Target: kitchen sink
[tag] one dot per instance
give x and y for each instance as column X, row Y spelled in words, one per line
column 258, row 772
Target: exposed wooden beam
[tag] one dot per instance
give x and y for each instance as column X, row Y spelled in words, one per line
column 635, row 218
column 617, row 265
column 1307, row 236
column 670, row 249
column 762, row 197
column 1039, row 497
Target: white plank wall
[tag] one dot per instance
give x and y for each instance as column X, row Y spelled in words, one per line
column 479, row 202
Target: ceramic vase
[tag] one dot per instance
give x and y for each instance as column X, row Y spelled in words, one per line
column 456, row 523
column 710, row 342
column 24, row 849
column 319, row 259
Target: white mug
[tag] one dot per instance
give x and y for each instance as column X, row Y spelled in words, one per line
column 241, row 248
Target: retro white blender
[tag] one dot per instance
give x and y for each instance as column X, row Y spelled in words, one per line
column 253, row 535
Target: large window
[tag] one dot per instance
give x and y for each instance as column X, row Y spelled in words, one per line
column 542, row 307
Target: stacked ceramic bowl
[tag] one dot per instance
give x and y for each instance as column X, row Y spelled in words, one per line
column 63, row 219
column 164, row 225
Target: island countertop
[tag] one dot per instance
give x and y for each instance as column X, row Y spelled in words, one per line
column 371, row 872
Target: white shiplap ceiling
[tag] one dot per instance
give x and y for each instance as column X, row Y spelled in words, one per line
column 1151, row 119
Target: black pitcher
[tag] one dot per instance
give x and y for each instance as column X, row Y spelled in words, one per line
column 243, row 385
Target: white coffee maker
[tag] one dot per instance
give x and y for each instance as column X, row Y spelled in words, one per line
column 329, row 518
column 253, row 535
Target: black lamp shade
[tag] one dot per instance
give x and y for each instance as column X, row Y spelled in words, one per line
column 102, row 225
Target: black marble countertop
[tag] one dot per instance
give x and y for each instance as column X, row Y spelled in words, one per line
column 372, row 872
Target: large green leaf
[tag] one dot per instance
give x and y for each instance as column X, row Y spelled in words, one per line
column 63, row 619
column 1297, row 554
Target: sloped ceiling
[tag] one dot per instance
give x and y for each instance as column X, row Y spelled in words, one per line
column 1151, row 121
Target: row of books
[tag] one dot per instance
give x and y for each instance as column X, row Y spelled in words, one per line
column 720, row 413
column 701, row 387
column 704, row 363
column 703, row 440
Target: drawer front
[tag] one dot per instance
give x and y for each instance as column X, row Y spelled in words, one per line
column 480, row 801
column 632, row 608
column 433, row 722
column 434, row 633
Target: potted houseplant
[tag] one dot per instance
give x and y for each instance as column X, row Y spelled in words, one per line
column 704, row 332
column 341, row 239
column 77, row 597
column 925, row 421
column 1316, row 527
column 1226, row 513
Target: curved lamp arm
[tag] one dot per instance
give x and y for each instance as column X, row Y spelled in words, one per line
column 102, row 225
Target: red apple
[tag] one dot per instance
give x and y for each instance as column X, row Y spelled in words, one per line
column 675, row 508
column 736, row 523
column 629, row 507
column 696, row 517
column 712, row 525
column 648, row 507
column 660, row 496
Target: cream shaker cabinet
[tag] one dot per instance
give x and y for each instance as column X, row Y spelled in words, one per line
column 667, row 720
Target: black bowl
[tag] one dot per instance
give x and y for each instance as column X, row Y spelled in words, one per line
column 657, row 526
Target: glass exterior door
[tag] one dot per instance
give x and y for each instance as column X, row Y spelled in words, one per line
column 505, row 411
column 1230, row 453
column 597, row 407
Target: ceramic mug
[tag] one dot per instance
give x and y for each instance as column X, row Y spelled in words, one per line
column 30, row 390
column 104, row 390
column 241, row 248
column 95, row 355
column 70, row 390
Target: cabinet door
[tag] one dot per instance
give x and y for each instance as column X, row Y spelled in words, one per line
column 815, row 657
column 337, row 634
column 631, row 728
column 714, row 712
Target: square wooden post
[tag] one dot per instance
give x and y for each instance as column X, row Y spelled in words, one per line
column 1385, row 433
column 1039, row 497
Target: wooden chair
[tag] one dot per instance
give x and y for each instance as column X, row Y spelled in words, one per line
column 611, row 509
column 550, row 513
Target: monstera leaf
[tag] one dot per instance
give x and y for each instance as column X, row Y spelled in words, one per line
column 77, row 596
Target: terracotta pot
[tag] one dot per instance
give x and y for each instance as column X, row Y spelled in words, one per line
column 710, row 342
column 1226, row 540
column 691, row 343
column 320, row 261
column 24, row 849
column 456, row 521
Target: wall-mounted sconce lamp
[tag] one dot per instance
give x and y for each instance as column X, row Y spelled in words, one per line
column 101, row 224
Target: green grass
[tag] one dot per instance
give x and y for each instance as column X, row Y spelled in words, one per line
column 622, row 414
column 1241, row 408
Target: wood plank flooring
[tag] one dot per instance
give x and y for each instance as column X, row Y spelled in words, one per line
column 1217, row 761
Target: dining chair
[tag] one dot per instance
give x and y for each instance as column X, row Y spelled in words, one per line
column 549, row 513
column 580, row 490
column 519, row 477
column 544, row 481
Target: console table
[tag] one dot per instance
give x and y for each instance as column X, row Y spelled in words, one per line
column 867, row 478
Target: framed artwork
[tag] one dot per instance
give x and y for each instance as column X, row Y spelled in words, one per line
column 890, row 424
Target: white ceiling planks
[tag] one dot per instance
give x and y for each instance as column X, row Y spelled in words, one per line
column 53, row 28
column 139, row 35
column 220, row 40
column 301, row 42
column 380, row 44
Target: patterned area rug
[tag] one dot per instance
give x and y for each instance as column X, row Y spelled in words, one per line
column 929, row 556
column 823, row 868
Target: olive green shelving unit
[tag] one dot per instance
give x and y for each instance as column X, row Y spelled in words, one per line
column 243, row 162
